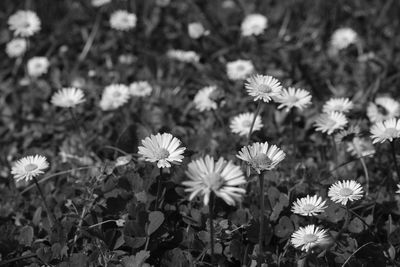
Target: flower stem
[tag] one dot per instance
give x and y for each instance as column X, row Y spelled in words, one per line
column 158, row 190
column 335, row 151
column 363, row 165
column 254, row 120
column 261, row 230
column 292, row 127
column 393, row 145
column 51, row 216
column 211, row 213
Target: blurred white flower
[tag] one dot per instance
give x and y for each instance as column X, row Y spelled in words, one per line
column 24, row 23
column 360, row 147
column 221, row 177
column 202, row 99
column 347, row 135
column 163, row 149
column 68, row 97
column 239, row 69
column 330, row 122
column 342, row 38
column 343, row 105
column 263, row 87
column 196, row 30
column 309, row 237
column 123, row 160
column 141, row 88
column 37, row 66
column 293, row 97
column 120, row 222
column 309, row 206
column 29, row 167
column 254, row 24
column 383, row 108
column 16, row 47
column 387, row 130
column 261, row 156
column 114, row 96
column 398, row 189
column 343, row 191
column 98, row 3
column 241, row 123
column 163, row 3
column 122, row 20
column 183, row 56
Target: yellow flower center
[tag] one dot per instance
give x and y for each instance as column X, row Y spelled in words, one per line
column 330, row 123
column 292, row 99
column 264, row 88
column 261, row 161
column 116, row 94
column 30, row 167
column 308, row 207
column 246, row 123
column 391, row 132
column 161, row 153
column 309, row 238
column 345, row 192
column 215, row 181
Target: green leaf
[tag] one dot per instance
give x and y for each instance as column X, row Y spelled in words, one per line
column 26, row 236
column 156, row 218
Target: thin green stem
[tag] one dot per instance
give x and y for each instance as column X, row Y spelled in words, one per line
column 364, row 167
column 357, row 250
column 261, row 230
column 393, row 145
column 211, row 218
column 254, row 120
column 293, row 130
column 51, row 216
column 335, row 151
column 158, row 190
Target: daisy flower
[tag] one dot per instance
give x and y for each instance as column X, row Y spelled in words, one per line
column 385, row 131
column 360, row 147
column 163, row 149
column 309, row 206
column 122, row 20
column 241, row 123
column 97, row 3
column 196, row 30
column 203, row 100
column 261, row 156
column 29, row 167
column 37, row 66
column 183, row 56
column 68, row 97
column 383, row 108
column 343, row 191
column 342, row 38
column 309, row 237
column 239, row 69
column 343, row 105
column 347, row 135
column 398, row 189
column 263, row 87
column 292, row 97
column 24, row 23
column 141, row 88
column 16, row 47
column 114, row 96
column 254, row 24
column 221, row 177
column 330, row 122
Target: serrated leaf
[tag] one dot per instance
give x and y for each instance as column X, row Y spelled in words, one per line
column 156, row 218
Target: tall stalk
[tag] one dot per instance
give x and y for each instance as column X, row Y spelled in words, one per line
column 254, row 120
column 261, row 230
column 293, row 131
column 393, row 145
column 158, row 190
column 50, row 215
column 211, row 218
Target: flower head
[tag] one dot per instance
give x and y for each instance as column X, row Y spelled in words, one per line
column 37, row 66
column 24, row 23
column 343, row 105
column 29, row 167
column 254, row 24
column 347, row 135
column 183, row 56
column 309, row 237
column 16, row 47
column 122, row 20
column 383, row 108
column 309, row 206
column 196, row 30
column 342, row 38
column 330, row 122
column 239, row 69
column 241, row 123
column 263, row 87
column 68, row 97
column 98, row 3
column 343, row 191
column 141, row 88
column 261, row 156
column 114, row 96
column 385, row 131
column 222, row 177
column 163, row 149
column 203, row 100
column 293, row 98
column 361, row 147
